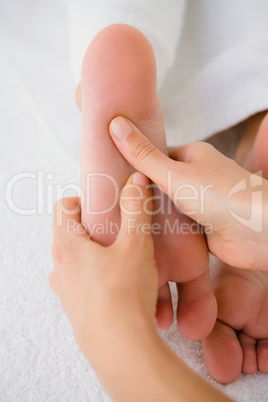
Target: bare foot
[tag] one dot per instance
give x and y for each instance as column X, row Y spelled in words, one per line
column 119, row 78
column 239, row 340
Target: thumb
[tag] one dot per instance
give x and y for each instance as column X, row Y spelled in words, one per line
column 136, row 206
column 140, row 152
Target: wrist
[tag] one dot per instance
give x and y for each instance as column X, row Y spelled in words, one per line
column 133, row 363
column 111, row 321
column 122, row 356
column 138, row 365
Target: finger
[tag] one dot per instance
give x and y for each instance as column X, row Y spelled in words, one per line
column 140, row 152
column 136, row 206
column 164, row 308
column 67, row 229
column 67, row 218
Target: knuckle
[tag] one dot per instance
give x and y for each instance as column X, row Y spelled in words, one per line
column 143, row 150
column 192, row 151
column 206, row 147
column 132, row 200
column 62, row 251
column 65, row 254
column 199, row 148
column 134, row 206
column 57, row 253
column 67, row 205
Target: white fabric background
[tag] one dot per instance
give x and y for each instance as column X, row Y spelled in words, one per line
column 212, row 57
column 40, row 129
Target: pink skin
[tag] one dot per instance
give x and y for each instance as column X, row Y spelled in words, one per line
column 239, row 340
column 119, row 78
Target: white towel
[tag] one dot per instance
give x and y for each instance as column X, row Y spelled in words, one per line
column 212, row 57
column 39, row 126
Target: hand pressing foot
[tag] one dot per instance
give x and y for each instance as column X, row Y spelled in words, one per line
column 239, row 340
column 119, row 78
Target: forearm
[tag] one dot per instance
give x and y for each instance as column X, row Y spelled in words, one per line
column 139, row 366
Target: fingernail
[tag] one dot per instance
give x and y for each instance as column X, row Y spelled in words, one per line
column 140, row 179
column 120, row 128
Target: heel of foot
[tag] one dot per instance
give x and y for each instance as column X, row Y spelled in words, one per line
column 119, row 67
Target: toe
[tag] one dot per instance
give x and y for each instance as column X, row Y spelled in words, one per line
column 223, row 354
column 197, row 308
column 262, row 355
column 248, row 344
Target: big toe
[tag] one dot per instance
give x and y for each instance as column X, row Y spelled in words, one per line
column 223, row 354
column 197, row 308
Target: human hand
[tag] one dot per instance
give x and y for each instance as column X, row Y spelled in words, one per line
column 208, row 187
column 107, row 293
